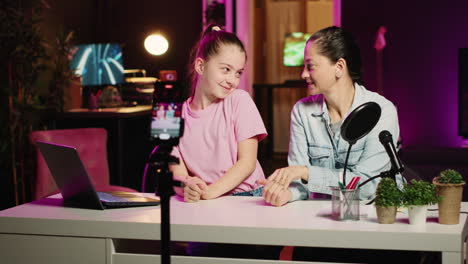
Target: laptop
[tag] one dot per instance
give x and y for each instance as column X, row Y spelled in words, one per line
column 73, row 181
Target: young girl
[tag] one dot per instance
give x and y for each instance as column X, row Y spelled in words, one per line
column 218, row 151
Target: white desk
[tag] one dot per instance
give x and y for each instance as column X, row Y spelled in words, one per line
column 45, row 231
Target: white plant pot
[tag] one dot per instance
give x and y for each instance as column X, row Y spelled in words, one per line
column 417, row 214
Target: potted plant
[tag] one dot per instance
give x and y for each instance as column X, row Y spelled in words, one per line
column 60, row 78
column 449, row 186
column 387, row 200
column 33, row 85
column 417, row 195
column 23, row 54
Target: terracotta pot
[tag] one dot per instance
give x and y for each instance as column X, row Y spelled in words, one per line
column 449, row 206
column 386, row 215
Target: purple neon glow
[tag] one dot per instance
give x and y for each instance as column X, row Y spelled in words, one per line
column 420, row 63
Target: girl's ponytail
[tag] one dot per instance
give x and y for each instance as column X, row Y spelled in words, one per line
column 208, row 45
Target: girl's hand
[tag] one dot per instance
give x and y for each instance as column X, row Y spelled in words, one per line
column 208, row 194
column 194, row 188
column 276, row 194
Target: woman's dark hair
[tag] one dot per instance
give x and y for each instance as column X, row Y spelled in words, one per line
column 335, row 43
column 209, row 44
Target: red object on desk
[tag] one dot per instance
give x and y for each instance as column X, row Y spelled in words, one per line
column 353, row 183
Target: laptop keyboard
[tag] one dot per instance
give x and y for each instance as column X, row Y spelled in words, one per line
column 107, row 197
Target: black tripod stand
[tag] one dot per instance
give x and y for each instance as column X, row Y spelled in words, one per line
column 159, row 162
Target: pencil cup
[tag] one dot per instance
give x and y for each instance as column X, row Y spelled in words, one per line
column 345, row 204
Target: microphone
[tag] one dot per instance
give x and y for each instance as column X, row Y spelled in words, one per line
column 386, row 139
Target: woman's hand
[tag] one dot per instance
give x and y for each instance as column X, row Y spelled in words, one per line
column 194, row 188
column 276, row 190
column 285, row 176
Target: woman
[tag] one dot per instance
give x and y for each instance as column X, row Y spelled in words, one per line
column 332, row 70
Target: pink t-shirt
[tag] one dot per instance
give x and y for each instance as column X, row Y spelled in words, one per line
column 209, row 145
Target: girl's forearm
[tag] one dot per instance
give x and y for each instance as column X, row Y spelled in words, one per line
column 241, row 170
column 179, row 173
column 179, row 191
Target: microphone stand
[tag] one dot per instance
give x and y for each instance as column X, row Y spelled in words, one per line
column 386, row 174
column 386, row 139
column 160, row 161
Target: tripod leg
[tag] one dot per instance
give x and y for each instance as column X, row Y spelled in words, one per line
column 165, row 230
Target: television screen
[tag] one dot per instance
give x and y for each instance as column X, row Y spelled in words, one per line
column 463, row 92
column 98, row 64
column 294, row 44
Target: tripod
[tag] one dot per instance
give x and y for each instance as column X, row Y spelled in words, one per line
column 159, row 161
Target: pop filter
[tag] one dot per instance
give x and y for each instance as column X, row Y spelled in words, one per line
column 358, row 124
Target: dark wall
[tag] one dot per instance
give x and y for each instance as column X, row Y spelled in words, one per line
column 128, row 23
column 420, row 62
column 77, row 16
column 179, row 21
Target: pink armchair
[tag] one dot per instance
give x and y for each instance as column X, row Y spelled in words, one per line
column 91, row 144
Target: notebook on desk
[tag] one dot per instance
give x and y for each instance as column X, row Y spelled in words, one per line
column 76, row 187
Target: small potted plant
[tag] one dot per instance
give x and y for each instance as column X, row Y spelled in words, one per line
column 449, row 186
column 387, row 200
column 417, row 195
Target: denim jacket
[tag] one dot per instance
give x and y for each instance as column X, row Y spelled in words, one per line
column 313, row 144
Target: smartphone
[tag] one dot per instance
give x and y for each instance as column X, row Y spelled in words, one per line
column 167, row 124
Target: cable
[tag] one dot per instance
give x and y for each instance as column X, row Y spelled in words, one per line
column 145, row 171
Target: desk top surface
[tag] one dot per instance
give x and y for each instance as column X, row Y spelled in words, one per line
column 237, row 220
column 113, row 111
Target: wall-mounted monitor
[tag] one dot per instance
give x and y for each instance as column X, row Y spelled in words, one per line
column 293, row 52
column 98, row 64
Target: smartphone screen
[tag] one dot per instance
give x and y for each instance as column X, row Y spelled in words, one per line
column 166, row 117
column 166, row 120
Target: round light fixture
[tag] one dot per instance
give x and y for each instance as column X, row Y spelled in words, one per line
column 156, row 44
